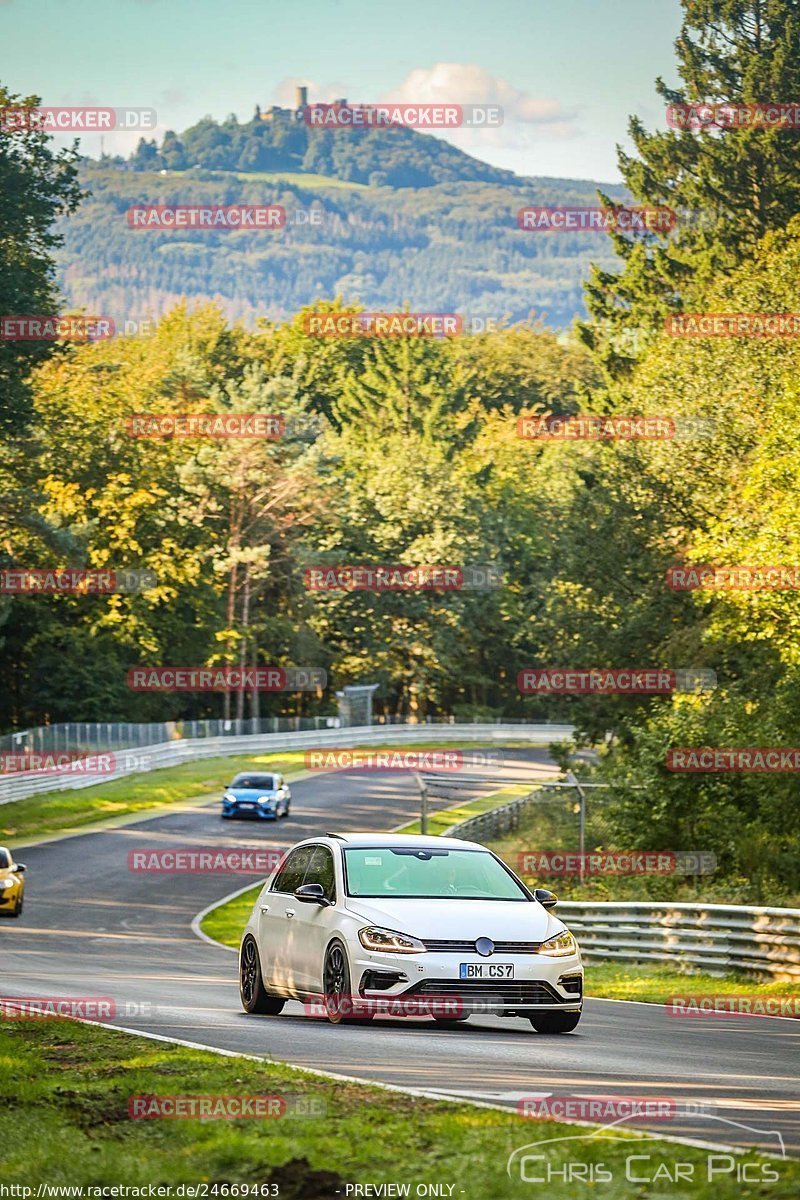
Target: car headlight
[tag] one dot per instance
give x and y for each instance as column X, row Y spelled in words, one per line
column 376, row 938
column 229, row 797
column 560, row 945
column 4, row 883
column 266, row 799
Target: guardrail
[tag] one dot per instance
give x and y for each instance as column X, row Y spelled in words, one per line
column 714, row 937
column 173, row 753
column 497, row 821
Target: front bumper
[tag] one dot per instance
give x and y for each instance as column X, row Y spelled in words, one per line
column 9, row 898
column 540, row 982
column 259, row 813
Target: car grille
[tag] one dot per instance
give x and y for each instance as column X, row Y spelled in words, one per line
column 507, row 991
column 460, row 947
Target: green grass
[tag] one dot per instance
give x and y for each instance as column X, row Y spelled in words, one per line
column 226, row 922
column 439, row 822
column 658, row 984
column 55, row 812
column 69, row 1124
column 298, row 179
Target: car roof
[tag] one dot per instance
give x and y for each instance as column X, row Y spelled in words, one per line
column 415, row 840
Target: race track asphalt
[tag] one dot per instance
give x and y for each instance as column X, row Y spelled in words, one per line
column 92, row 927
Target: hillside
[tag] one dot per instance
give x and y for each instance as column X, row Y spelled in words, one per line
column 434, row 228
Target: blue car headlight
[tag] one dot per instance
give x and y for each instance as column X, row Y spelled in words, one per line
column 266, row 801
column 229, row 798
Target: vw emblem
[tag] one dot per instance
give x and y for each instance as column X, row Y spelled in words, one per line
column 484, row 946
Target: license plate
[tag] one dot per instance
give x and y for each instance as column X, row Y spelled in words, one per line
column 247, row 806
column 486, row 971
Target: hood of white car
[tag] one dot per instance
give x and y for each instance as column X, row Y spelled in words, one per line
column 500, row 920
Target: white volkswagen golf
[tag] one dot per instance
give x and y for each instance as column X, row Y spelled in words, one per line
column 392, row 924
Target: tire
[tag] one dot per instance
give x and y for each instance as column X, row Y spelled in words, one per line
column 18, row 909
column 254, row 996
column 286, row 810
column 336, row 984
column 555, row 1022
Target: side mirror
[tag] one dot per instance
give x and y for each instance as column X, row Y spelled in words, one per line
column 547, row 899
column 21, row 868
column 312, row 893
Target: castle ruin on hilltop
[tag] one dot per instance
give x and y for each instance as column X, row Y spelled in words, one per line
column 276, row 113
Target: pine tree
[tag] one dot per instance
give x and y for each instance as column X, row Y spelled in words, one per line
column 727, row 185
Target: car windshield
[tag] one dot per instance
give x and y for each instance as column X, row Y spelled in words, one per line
column 407, row 873
column 5, row 860
column 265, row 782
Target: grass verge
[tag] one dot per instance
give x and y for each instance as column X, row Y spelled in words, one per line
column 55, row 812
column 58, row 812
column 659, row 984
column 226, row 922
column 439, row 822
column 70, row 1124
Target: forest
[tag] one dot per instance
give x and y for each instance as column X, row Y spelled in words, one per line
column 407, row 450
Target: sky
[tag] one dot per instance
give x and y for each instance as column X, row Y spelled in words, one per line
column 567, row 74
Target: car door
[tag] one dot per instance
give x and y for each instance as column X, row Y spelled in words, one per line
column 277, row 911
column 314, row 923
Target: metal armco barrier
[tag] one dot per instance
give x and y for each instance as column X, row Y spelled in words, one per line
column 713, row 937
column 497, row 821
column 170, row 754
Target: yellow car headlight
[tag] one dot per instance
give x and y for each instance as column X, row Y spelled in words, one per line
column 374, row 937
column 4, row 883
column 560, row 945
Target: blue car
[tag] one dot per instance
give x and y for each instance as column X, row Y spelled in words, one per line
column 266, row 797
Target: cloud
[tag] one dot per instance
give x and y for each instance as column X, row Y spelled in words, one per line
column 467, row 83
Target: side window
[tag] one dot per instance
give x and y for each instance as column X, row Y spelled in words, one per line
column 291, row 873
column 320, row 870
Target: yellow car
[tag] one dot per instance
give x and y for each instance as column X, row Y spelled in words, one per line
column 12, row 885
